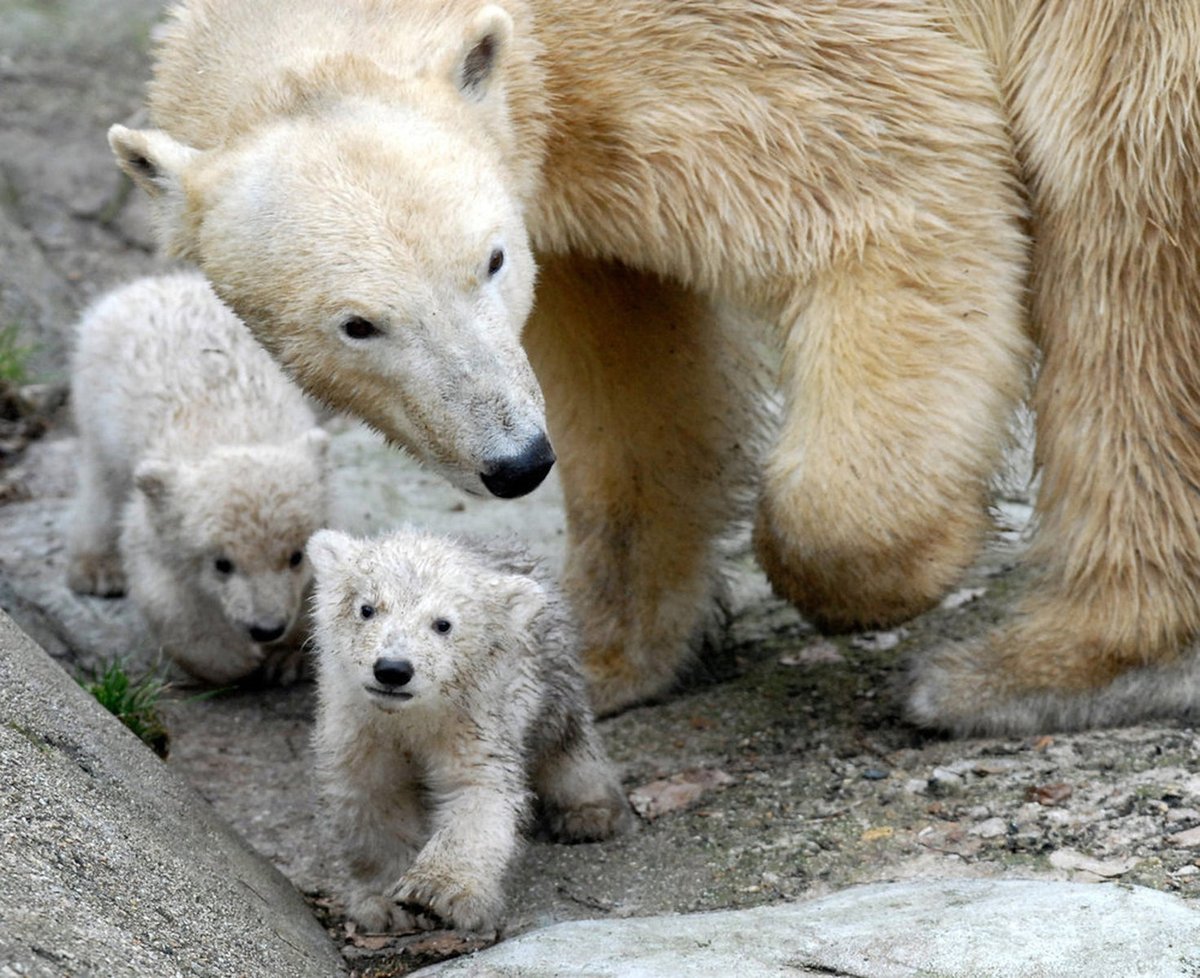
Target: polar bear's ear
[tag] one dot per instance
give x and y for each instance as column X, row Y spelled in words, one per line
column 153, row 160
column 483, row 52
column 155, row 480
column 328, row 551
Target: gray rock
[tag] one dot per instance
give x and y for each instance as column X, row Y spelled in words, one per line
column 962, row 929
column 69, row 223
column 110, row 865
column 32, row 297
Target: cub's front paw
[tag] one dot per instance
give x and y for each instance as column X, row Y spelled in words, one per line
column 592, row 820
column 100, row 574
column 215, row 662
column 461, row 903
column 284, row 666
column 374, row 913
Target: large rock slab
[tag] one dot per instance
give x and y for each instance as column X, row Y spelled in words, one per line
column 962, row 929
column 110, row 865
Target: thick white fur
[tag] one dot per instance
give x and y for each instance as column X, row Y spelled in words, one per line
column 425, row 796
column 194, row 448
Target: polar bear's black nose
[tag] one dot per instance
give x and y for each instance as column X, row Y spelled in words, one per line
column 268, row 634
column 514, row 475
column 393, row 672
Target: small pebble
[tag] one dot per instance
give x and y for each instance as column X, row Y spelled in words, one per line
column 991, row 828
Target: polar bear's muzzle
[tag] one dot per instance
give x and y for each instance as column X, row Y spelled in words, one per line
column 511, row 476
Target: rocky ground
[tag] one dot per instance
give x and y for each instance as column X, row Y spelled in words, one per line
column 782, row 770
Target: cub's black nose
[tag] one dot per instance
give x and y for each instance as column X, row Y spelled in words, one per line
column 515, row 475
column 268, row 634
column 393, row 672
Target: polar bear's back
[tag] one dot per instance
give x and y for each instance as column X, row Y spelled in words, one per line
column 161, row 363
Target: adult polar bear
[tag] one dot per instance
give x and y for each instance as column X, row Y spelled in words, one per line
column 363, row 182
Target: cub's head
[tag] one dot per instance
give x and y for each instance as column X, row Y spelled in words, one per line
column 236, row 524
column 376, row 248
column 413, row 621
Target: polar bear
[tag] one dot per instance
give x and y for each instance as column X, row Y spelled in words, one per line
column 202, row 475
column 448, row 687
column 368, row 185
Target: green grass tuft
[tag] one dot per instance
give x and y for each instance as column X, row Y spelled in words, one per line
column 132, row 701
column 14, row 356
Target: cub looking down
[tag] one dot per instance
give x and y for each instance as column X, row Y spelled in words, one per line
column 449, row 686
column 202, row 474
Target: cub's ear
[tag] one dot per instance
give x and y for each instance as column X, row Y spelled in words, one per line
column 329, row 550
column 153, row 160
column 156, row 480
column 483, row 52
column 316, row 440
column 524, row 599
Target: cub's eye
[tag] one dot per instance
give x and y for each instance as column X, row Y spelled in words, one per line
column 495, row 262
column 358, row 328
column 367, row 611
column 223, row 565
column 296, row 558
column 441, row 626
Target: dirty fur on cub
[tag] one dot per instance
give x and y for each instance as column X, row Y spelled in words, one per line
column 449, row 693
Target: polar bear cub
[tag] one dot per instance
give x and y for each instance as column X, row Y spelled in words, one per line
column 202, row 475
column 449, row 691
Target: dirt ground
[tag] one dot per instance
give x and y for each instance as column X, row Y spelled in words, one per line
column 781, row 770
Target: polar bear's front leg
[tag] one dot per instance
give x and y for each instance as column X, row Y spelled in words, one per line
column 459, row 873
column 650, row 408
column 901, row 369
column 578, row 787
column 374, row 833
column 93, row 561
column 1106, row 629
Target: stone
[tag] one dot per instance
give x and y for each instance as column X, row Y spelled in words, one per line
column 111, row 865
column 959, row 929
column 991, row 828
column 1089, row 868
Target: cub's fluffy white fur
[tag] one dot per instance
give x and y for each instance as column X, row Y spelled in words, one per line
column 202, row 474
column 450, row 691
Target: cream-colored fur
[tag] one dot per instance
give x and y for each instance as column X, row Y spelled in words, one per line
column 837, row 177
column 841, row 174
column 449, row 691
column 1105, row 108
column 202, row 475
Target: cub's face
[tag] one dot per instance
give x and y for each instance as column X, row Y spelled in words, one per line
column 408, row 623
column 236, row 525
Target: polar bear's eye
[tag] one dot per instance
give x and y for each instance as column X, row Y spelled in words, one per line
column 367, row 611
column 358, row 328
column 296, row 557
column 495, row 262
column 223, row 565
column 441, row 626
